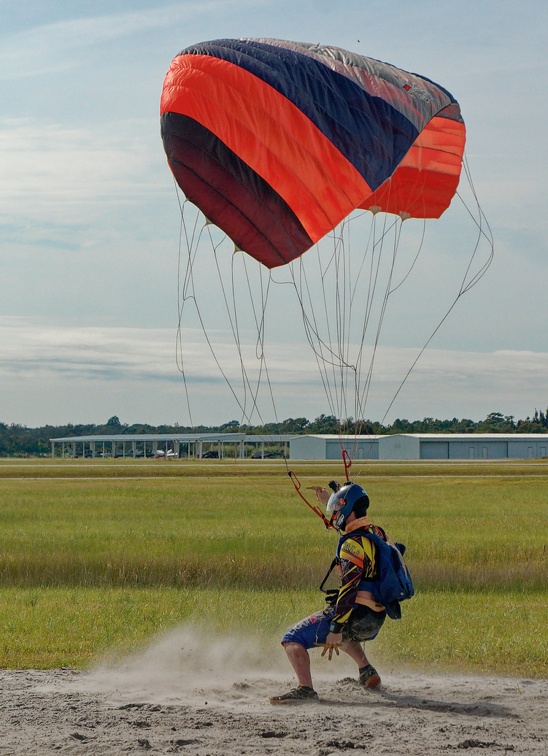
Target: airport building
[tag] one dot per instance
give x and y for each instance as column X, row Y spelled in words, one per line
column 325, row 446
column 401, row 446
column 172, row 445
column 408, row 446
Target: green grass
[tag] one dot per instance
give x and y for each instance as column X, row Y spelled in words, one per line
column 440, row 631
column 53, row 627
column 98, row 556
column 236, row 533
column 483, row 632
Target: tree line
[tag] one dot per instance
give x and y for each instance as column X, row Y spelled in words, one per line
column 19, row 440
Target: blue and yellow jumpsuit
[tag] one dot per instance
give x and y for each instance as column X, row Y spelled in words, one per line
column 356, row 613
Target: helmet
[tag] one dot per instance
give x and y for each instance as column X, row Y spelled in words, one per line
column 342, row 502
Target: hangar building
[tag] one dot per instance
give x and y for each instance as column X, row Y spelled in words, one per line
column 174, row 445
column 423, row 446
column 465, row 446
column 326, row 446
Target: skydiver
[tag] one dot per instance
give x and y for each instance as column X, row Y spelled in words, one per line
column 353, row 615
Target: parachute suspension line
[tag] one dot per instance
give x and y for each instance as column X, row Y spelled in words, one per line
column 349, row 372
column 310, row 323
column 259, row 319
column 192, row 237
column 232, row 315
column 251, row 386
column 259, row 316
column 373, row 280
column 351, row 368
column 362, row 393
column 339, row 288
column 355, row 283
column 189, row 285
column 354, row 274
column 249, row 403
column 329, row 357
column 480, row 221
column 191, row 243
column 483, row 231
column 341, row 323
column 414, row 261
column 340, row 276
column 259, row 352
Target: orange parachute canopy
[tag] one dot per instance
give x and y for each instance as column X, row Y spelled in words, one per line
column 277, row 142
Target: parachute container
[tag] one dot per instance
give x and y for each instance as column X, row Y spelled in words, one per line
column 277, row 142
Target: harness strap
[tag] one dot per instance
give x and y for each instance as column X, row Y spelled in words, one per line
column 329, row 571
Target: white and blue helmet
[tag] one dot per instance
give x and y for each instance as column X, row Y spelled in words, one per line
column 341, row 503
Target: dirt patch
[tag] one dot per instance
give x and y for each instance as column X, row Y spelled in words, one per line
column 191, row 694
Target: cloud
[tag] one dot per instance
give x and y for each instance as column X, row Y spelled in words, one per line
column 49, row 48
column 50, row 352
column 49, row 168
column 90, row 222
column 96, row 371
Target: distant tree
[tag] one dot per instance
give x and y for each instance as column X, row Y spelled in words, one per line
column 233, row 426
column 294, row 425
column 369, row 428
column 16, row 439
column 496, row 422
column 536, row 424
column 463, row 426
column 324, row 424
column 140, row 429
column 400, row 426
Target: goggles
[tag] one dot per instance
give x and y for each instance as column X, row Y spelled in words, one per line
column 334, row 503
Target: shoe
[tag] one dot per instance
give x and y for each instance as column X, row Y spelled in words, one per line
column 302, row 694
column 369, row 677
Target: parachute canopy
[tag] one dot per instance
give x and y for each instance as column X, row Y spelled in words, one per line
column 277, row 142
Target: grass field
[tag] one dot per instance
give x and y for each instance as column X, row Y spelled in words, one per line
column 99, row 556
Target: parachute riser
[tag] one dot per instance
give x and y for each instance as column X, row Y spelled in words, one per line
column 347, row 462
column 296, row 482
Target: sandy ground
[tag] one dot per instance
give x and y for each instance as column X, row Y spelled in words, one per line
column 190, row 694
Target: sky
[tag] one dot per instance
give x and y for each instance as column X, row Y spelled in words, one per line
column 90, row 221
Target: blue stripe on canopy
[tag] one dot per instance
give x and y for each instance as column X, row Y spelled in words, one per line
column 371, row 134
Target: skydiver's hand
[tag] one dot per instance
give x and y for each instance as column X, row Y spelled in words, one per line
column 322, row 494
column 332, row 643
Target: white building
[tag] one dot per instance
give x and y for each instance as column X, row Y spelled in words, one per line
column 326, row 446
column 464, row 446
column 423, row 446
column 175, row 445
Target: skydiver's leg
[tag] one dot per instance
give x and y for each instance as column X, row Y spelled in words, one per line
column 355, row 651
column 366, row 624
column 300, row 661
column 309, row 632
column 368, row 675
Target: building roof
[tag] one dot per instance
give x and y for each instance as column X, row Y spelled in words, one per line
column 337, row 437
column 155, row 437
column 475, row 436
column 211, row 437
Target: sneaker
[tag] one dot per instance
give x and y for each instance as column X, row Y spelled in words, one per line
column 369, row 677
column 302, row 694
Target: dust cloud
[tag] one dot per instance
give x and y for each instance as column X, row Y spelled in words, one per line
column 193, row 692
